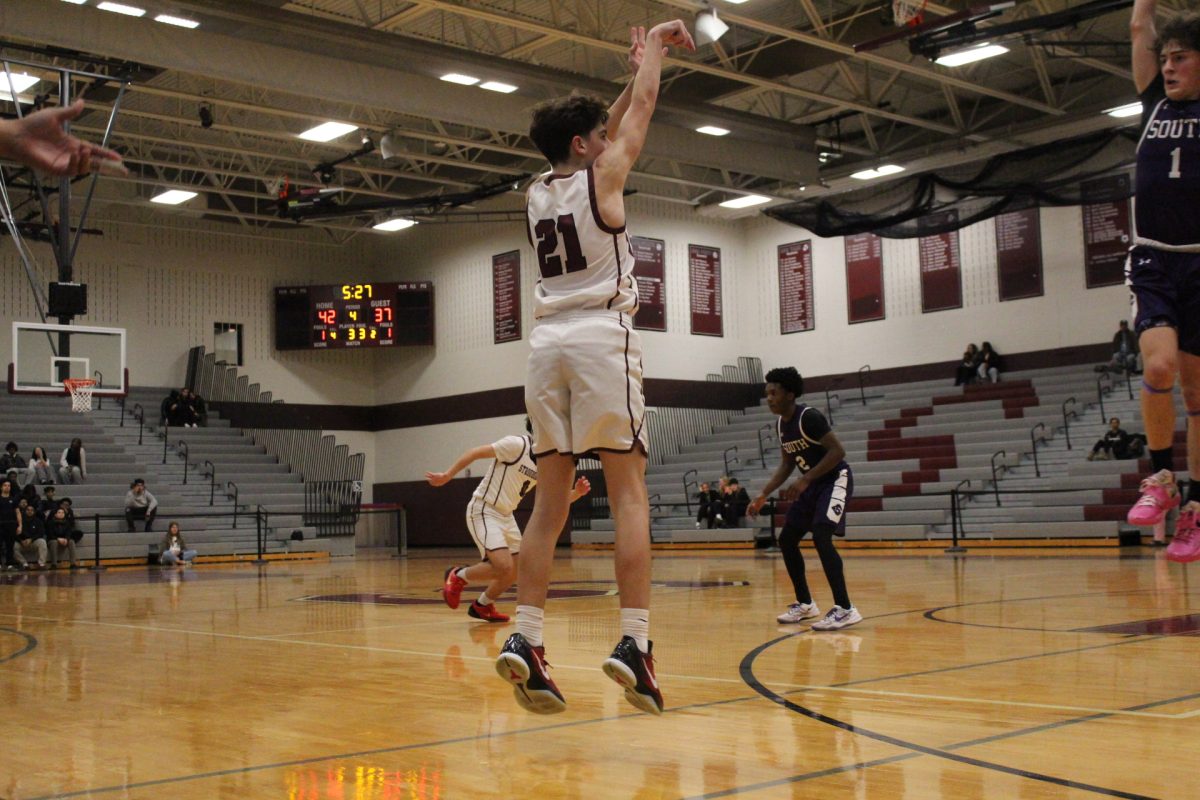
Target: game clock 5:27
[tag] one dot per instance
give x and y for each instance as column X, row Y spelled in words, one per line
column 353, row 315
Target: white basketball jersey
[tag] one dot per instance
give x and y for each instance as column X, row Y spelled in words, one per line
column 512, row 475
column 584, row 263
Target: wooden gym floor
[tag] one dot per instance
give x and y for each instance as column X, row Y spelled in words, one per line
column 1002, row 674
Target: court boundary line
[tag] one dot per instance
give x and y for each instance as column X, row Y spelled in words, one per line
column 31, row 644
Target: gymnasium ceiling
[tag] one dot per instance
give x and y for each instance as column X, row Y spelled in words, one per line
column 803, row 109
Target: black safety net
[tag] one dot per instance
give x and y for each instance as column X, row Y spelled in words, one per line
column 1087, row 169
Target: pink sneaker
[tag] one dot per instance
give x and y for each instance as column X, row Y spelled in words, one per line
column 1159, row 495
column 1185, row 546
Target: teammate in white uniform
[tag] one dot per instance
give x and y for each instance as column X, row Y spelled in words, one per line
column 512, row 475
column 583, row 388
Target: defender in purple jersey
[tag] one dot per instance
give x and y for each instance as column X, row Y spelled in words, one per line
column 819, row 499
column 1163, row 270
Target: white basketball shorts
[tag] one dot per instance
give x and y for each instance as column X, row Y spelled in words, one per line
column 583, row 385
column 492, row 530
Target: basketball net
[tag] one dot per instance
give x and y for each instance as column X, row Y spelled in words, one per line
column 81, row 393
column 908, row 12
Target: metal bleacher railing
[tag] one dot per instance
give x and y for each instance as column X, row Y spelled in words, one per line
column 317, row 458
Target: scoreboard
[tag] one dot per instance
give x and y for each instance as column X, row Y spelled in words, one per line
column 353, row 315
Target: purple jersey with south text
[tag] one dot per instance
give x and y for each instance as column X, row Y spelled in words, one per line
column 1167, row 193
column 800, row 439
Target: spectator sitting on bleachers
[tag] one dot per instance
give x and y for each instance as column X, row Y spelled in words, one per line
column 32, row 540
column 48, row 505
column 1125, row 350
column 1114, row 441
column 166, row 409
column 12, row 460
column 140, row 504
column 30, row 495
column 735, row 502
column 990, row 364
column 173, row 549
column 966, row 371
column 710, row 505
column 199, row 408
column 40, row 470
column 72, row 466
column 69, row 516
column 59, row 538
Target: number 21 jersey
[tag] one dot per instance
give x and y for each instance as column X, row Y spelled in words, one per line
column 584, row 264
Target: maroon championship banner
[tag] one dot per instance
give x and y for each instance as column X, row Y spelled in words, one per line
column 506, row 296
column 795, row 287
column 1019, row 254
column 1106, row 230
column 941, row 266
column 864, row 278
column 704, row 280
column 649, row 257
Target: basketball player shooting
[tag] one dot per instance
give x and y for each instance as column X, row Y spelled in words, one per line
column 583, row 386
column 1163, row 270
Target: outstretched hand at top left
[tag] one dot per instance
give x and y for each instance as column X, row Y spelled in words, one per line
column 39, row 142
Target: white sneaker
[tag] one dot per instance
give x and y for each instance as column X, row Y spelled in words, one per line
column 837, row 618
column 797, row 612
column 697, row 526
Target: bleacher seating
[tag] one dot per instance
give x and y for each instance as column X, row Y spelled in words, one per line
column 911, row 444
column 115, row 458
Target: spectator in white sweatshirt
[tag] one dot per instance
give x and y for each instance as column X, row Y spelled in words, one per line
column 140, row 504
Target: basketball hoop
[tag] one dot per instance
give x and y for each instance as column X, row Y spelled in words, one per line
column 908, row 13
column 81, row 393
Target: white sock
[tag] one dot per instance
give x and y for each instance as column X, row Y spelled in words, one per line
column 484, row 600
column 462, row 573
column 529, row 624
column 635, row 622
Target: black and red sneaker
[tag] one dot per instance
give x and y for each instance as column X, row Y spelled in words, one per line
column 525, row 668
column 452, row 586
column 486, row 613
column 634, row 670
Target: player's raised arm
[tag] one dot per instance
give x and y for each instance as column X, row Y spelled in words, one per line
column 614, row 164
column 474, row 454
column 1142, row 35
column 616, row 112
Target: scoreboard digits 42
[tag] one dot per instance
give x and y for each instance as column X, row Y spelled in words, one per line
column 353, row 315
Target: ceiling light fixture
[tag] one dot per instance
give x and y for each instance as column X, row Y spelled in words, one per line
column 972, row 54
column 746, row 201
column 172, row 197
column 327, row 132
column 878, row 172
column 1127, row 110
column 121, row 8
column 75, row 2
column 179, row 22
column 460, row 79
column 708, row 28
column 20, row 82
column 712, row 130
column 497, row 86
column 396, row 224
